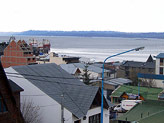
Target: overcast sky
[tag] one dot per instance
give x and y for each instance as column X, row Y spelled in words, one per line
column 68, row 15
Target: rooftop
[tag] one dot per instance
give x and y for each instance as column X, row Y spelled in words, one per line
column 49, row 78
column 90, row 67
column 147, row 112
column 147, row 92
column 139, row 64
column 14, row 87
column 161, row 55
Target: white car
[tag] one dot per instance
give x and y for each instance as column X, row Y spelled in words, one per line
column 118, row 108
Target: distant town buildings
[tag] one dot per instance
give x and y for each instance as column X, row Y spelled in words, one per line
column 158, row 77
column 130, row 69
column 63, row 59
column 40, row 47
column 17, row 53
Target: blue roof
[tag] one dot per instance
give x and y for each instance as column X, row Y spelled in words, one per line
column 161, row 55
column 151, row 76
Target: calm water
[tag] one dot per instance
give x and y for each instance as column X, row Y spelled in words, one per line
column 98, row 48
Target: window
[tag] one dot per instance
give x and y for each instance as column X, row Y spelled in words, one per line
column 161, row 70
column 161, row 61
column 28, row 59
column 94, row 118
column 2, row 105
column 78, row 121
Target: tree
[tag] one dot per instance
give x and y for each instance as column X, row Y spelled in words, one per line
column 30, row 112
column 147, row 82
column 86, row 75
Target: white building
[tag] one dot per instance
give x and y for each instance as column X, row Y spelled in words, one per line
column 158, row 77
column 58, row 94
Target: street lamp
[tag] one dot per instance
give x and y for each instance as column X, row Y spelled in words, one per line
column 102, row 85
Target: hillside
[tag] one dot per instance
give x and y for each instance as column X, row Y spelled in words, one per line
column 89, row 34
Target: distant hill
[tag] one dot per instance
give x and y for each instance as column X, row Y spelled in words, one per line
column 7, row 33
column 91, row 34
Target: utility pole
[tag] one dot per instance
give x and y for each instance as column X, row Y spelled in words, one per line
column 62, row 109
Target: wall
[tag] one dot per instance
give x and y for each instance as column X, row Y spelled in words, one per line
column 93, row 112
column 14, row 56
column 57, row 60
column 157, row 65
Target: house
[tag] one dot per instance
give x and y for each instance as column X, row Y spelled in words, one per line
column 9, row 100
column 17, row 53
column 59, row 95
column 132, row 92
column 130, row 69
column 159, row 68
column 158, row 76
column 151, row 111
column 112, row 66
column 63, row 59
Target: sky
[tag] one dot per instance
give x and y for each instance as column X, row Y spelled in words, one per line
column 82, row 15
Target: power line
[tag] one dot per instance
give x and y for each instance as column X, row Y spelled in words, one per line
column 47, row 76
column 40, row 76
column 70, row 83
column 47, row 81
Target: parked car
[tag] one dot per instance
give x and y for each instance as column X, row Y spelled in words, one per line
column 118, row 108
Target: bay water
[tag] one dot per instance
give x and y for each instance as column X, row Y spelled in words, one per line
column 98, row 48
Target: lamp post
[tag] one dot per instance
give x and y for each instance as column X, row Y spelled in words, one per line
column 102, row 84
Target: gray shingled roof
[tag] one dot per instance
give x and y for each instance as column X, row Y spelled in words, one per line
column 139, row 64
column 51, row 78
column 161, row 55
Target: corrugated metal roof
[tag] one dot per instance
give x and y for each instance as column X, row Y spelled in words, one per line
column 151, row 111
column 119, row 81
column 78, row 97
column 147, row 92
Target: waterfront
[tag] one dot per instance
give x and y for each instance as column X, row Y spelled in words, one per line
column 98, row 48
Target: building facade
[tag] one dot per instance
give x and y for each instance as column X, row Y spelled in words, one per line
column 17, row 53
column 159, row 68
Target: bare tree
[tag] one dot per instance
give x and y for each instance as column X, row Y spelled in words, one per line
column 147, row 82
column 30, row 112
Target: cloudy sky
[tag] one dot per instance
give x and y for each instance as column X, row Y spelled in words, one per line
column 68, row 15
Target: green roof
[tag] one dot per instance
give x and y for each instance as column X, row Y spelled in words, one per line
column 147, row 92
column 145, row 112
